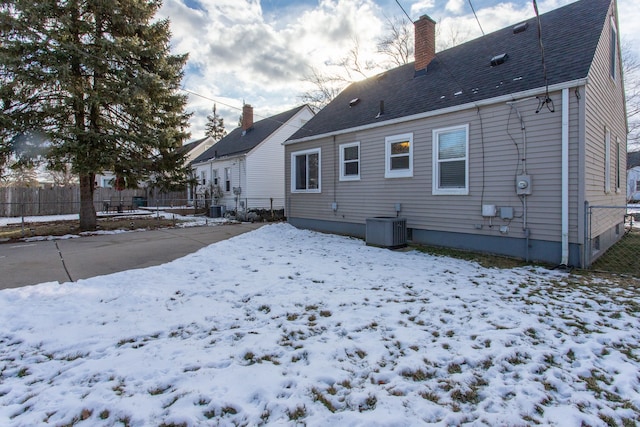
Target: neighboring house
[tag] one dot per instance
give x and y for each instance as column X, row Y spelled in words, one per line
column 633, row 185
column 248, row 164
column 633, row 159
column 192, row 149
column 633, row 176
column 196, row 148
column 474, row 147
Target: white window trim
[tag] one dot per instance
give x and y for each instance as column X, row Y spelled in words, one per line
column 613, row 54
column 214, row 177
column 402, row 173
column 607, row 160
column 618, row 172
column 227, row 179
column 341, row 149
column 435, row 190
column 293, row 170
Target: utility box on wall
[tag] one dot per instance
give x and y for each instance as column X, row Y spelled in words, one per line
column 523, row 185
column 386, row 232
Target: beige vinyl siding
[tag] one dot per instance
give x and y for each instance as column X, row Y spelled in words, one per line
column 312, row 205
column 265, row 165
column 374, row 195
column 604, row 108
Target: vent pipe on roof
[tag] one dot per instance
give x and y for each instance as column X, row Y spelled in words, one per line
column 425, row 42
column 381, row 110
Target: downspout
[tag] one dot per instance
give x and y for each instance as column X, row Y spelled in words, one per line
column 336, row 167
column 565, row 178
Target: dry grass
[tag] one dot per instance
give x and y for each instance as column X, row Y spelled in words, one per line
column 14, row 232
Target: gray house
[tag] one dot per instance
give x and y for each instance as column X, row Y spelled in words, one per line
column 497, row 145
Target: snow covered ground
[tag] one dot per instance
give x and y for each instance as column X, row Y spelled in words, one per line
column 282, row 326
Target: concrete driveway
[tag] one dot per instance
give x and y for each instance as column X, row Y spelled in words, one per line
column 23, row 263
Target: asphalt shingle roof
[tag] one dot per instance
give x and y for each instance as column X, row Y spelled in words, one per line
column 237, row 143
column 633, row 159
column 190, row 146
column 463, row 74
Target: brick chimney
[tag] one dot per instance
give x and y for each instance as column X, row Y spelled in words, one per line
column 247, row 117
column 425, row 42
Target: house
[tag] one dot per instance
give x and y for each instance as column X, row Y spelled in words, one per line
column 633, row 176
column 499, row 145
column 192, row 150
column 633, row 185
column 246, row 167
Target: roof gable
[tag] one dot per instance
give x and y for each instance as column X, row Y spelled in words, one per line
column 633, row 159
column 464, row 74
column 187, row 148
column 239, row 142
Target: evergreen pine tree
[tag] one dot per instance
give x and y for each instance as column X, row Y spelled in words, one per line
column 215, row 125
column 97, row 80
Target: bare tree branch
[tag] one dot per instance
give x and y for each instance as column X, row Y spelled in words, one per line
column 397, row 43
column 325, row 88
column 631, row 73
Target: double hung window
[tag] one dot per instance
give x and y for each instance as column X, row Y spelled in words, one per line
column 451, row 160
column 399, row 156
column 350, row 161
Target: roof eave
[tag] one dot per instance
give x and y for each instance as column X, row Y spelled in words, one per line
column 215, row 159
column 461, row 107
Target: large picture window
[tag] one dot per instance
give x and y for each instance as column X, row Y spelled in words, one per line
column 350, row 161
column 399, row 156
column 305, row 171
column 451, row 160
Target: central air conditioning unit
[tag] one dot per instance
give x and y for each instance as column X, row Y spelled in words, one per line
column 386, row 232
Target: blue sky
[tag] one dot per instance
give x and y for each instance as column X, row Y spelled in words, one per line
column 259, row 51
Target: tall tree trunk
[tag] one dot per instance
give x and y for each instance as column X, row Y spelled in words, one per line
column 88, row 219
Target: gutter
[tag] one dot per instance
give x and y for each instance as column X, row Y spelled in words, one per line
column 462, row 107
column 565, row 178
column 215, row 159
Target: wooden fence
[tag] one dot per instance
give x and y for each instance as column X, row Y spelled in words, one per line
column 16, row 202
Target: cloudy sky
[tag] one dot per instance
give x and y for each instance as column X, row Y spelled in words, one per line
column 259, row 51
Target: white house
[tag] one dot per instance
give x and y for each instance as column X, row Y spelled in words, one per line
column 192, row 150
column 633, row 184
column 246, row 167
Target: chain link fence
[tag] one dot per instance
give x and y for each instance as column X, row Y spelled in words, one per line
column 26, row 203
column 623, row 256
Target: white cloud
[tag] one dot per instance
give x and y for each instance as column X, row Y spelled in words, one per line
column 236, row 53
column 455, row 6
column 422, row 7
